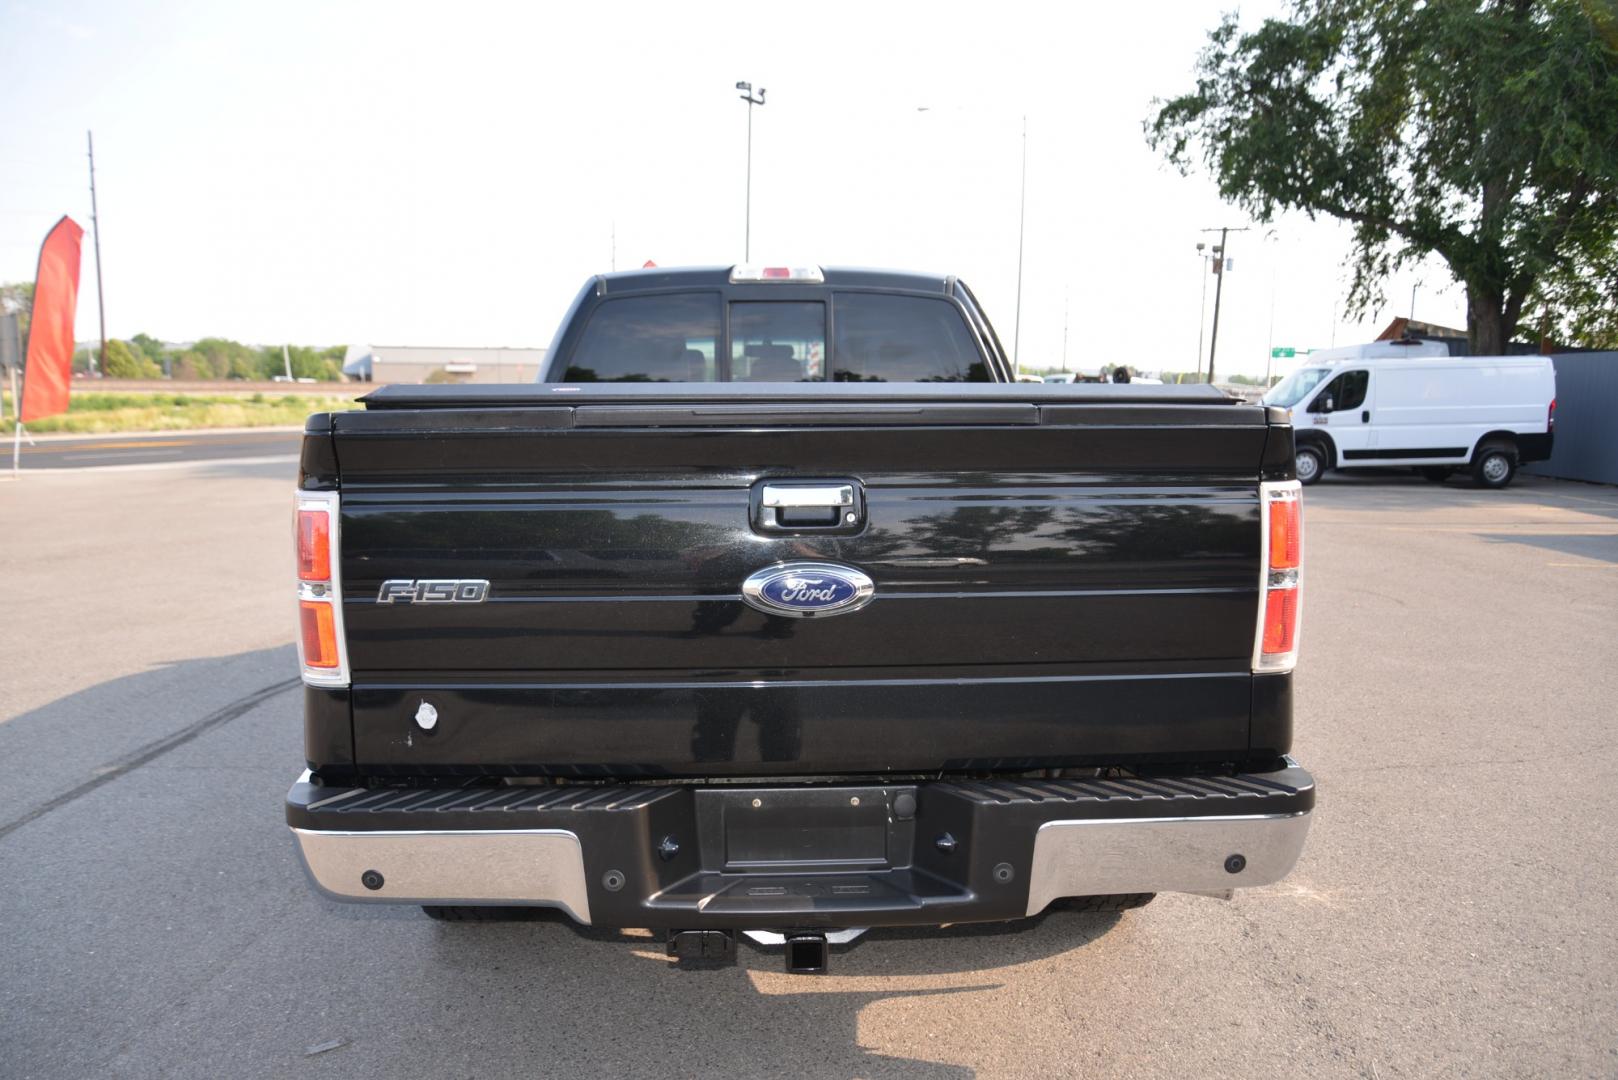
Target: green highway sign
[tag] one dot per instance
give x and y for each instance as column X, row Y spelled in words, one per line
column 1278, row 352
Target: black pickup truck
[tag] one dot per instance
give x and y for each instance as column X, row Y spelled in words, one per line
column 883, row 640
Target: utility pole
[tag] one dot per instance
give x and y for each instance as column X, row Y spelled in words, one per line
column 1202, row 311
column 1022, row 213
column 747, row 95
column 95, row 232
column 1221, row 253
column 1064, row 330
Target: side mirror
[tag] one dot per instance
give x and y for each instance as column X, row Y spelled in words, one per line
column 1324, row 404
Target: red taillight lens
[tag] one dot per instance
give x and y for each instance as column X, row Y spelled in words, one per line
column 1550, row 416
column 1286, row 534
column 319, row 626
column 1276, row 644
column 314, row 545
column 1280, row 621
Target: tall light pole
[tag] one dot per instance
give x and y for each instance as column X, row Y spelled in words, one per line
column 1022, row 217
column 1022, row 210
column 95, row 231
column 747, row 95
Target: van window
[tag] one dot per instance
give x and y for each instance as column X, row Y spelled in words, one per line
column 1295, row 387
column 661, row 338
column 883, row 338
column 777, row 341
column 1347, row 391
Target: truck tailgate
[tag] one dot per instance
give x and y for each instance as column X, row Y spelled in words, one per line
column 1053, row 584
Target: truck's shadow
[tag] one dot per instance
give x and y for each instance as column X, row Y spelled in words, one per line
column 750, row 1019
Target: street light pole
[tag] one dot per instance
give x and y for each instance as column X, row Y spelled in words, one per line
column 747, row 95
column 1022, row 212
column 95, row 230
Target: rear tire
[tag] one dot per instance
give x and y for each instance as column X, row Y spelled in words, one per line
column 442, row 913
column 1436, row 473
column 1119, row 902
column 1310, row 464
column 1494, row 465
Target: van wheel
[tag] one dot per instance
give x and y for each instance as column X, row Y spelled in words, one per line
column 1436, row 473
column 1494, row 466
column 1310, row 464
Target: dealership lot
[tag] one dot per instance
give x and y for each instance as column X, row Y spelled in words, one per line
column 1455, row 911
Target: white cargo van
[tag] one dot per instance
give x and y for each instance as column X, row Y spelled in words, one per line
column 1406, row 405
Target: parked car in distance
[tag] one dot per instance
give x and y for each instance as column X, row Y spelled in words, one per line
column 1437, row 414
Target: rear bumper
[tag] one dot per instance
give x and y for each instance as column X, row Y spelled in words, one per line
column 801, row 857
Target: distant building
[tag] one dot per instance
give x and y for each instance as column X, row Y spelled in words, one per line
column 1401, row 328
column 429, row 363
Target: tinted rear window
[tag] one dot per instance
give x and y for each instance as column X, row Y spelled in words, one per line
column 777, row 341
column 668, row 338
column 903, row 339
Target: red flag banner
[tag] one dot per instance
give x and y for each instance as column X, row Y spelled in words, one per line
column 48, row 371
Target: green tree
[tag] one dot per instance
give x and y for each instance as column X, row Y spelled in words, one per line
column 122, row 362
column 149, row 347
column 1485, row 133
column 17, row 298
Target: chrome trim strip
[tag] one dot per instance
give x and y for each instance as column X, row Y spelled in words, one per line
column 825, row 495
column 510, row 867
column 1108, row 856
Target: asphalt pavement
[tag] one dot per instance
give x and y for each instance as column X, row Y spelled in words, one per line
column 164, row 448
column 1455, row 912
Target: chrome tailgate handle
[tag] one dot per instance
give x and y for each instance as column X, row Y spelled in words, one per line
column 804, row 507
column 776, row 495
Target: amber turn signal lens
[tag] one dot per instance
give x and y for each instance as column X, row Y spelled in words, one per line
column 1286, row 533
column 1280, row 620
column 314, row 545
column 319, row 625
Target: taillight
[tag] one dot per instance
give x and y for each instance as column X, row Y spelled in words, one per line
column 321, row 651
column 1550, row 417
column 1276, row 644
column 314, row 545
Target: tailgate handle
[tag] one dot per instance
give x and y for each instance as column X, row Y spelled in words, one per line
column 816, row 506
column 775, row 495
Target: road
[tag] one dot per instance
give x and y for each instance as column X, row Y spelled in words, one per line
column 1455, row 911
column 92, row 451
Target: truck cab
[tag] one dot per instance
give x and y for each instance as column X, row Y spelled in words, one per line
column 774, row 324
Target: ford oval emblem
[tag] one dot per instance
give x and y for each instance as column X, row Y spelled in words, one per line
column 808, row 589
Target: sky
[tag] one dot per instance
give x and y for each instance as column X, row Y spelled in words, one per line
column 451, row 174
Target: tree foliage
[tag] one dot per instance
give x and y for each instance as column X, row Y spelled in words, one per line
column 17, row 298
column 122, row 362
column 1485, row 133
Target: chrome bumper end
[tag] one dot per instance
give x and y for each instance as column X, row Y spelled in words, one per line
column 1205, row 855
column 523, row 867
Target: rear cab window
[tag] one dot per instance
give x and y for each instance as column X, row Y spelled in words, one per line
column 670, row 337
column 699, row 336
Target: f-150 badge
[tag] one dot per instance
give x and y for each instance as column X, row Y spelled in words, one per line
column 807, row 590
column 433, row 591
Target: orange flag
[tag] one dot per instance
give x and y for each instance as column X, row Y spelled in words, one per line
column 48, row 371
